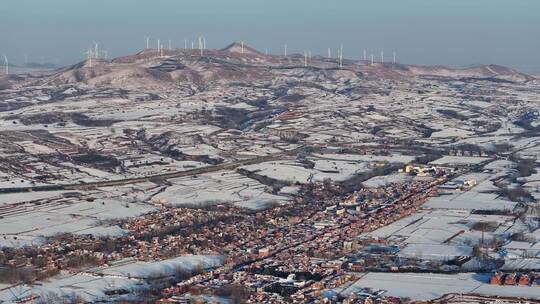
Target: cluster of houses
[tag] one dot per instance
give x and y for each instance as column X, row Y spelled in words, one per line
column 304, row 256
column 523, row 279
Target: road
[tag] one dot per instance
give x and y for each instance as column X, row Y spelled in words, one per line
column 175, row 174
column 191, row 172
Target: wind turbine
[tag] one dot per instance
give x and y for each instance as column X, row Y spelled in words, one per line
column 6, row 64
column 329, row 54
column 382, row 56
column 242, row 46
column 89, row 55
column 341, row 56
column 285, row 50
column 170, row 44
column 394, row 57
column 147, row 42
column 96, row 50
column 185, row 44
column 365, row 58
column 305, row 58
column 201, row 45
column 372, row 60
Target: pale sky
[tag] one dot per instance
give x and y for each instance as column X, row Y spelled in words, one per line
column 451, row 32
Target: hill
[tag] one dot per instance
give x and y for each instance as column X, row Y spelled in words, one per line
column 239, row 62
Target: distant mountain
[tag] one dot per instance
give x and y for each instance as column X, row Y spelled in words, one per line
column 237, row 63
column 482, row 71
column 44, row 66
column 238, row 47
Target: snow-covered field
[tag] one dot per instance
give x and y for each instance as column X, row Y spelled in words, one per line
column 336, row 167
column 428, row 286
column 381, row 181
column 13, row 198
column 443, row 229
column 458, row 160
column 91, row 286
column 49, row 213
column 150, row 270
column 471, row 200
column 218, row 188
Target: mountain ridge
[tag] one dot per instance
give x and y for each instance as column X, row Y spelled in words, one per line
column 236, row 63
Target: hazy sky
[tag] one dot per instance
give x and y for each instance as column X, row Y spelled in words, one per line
column 450, row 32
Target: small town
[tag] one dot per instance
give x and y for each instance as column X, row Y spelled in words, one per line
column 172, row 171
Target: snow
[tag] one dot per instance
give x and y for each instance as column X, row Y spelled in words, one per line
column 92, row 285
column 435, row 251
column 470, row 200
column 33, row 148
column 218, row 188
column 459, row 160
column 12, row 198
column 289, row 190
column 200, row 149
column 27, row 224
column 149, row 270
column 381, row 181
column 89, row 288
column 285, row 171
column 521, row 263
column 101, row 231
column 442, row 229
column 336, row 167
column 20, row 241
column 451, row 132
column 394, row 158
column 429, row 286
